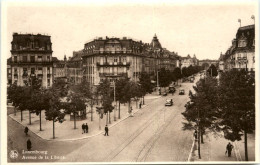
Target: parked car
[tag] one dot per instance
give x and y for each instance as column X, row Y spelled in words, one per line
column 169, row 102
column 181, row 92
column 164, row 94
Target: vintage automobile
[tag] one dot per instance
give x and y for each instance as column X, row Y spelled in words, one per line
column 169, row 102
column 165, row 94
column 171, row 89
column 181, row 92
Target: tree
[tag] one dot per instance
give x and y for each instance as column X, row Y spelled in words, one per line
column 54, row 113
column 146, row 85
column 14, row 93
column 60, row 87
column 84, row 90
column 212, row 71
column 39, row 103
column 164, row 77
column 120, row 84
column 105, row 91
column 201, row 113
column 76, row 104
column 177, row 73
column 237, row 105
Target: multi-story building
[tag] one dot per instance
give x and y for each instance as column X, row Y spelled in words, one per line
column 241, row 55
column 59, row 68
column 31, row 57
column 74, row 69
column 189, row 61
column 112, row 58
column 9, row 71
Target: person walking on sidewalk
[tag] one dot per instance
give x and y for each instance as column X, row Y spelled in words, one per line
column 229, row 149
column 83, row 128
column 29, row 144
column 86, row 127
column 106, row 131
column 26, row 129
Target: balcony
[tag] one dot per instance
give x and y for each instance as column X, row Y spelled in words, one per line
column 113, row 75
column 114, row 64
column 33, row 63
column 39, row 75
column 25, row 75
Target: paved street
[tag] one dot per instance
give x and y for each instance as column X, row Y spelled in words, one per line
column 153, row 134
column 146, row 133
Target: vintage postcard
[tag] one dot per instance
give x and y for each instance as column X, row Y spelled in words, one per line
column 129, row 82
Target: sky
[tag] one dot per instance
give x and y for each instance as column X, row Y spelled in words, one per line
column 204, row 29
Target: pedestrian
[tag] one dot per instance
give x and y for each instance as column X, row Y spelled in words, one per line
column 195, row 134
column 106, row 131
column 229, row 149
column 86, row 127
column 29, row 144
column 140, row 105
column 83, row 128
column 26, row 129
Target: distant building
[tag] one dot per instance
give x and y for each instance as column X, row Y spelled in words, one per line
column 9, row 71
column 189, row 61
column 115, row 58
column 59, row 68
column 31, row 57
column 241, row 54
column 74, row 68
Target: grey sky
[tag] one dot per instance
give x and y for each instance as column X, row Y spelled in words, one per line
column 201, row 29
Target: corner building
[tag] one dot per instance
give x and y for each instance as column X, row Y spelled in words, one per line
column 114, row 58
column 31, row 56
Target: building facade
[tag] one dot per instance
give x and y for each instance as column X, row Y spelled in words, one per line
column 31, row 56
column 241, row 54
column 74, row 69
column 116, row 58
column 188, row 61
column 59, row 69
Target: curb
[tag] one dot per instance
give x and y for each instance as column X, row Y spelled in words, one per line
column 191, row 150
column 82, row 137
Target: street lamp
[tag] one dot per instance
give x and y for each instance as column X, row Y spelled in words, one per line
column 114, row 99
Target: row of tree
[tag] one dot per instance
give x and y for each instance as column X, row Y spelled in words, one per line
column 166, row 77
column 223, row 105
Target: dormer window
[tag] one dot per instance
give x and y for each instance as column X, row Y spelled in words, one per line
column 242, row 43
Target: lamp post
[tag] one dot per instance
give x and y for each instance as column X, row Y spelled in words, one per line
column 158, row 81
column 114, row 100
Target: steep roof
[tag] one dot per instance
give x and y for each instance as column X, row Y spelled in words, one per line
column 155, row 43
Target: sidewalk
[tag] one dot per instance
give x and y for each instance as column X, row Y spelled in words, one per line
column 214, row 147
column 65, row 131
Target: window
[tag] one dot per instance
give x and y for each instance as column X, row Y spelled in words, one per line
column 15, row 59
column 25, row 72
column 48, row 58
column 24, row 58
column 48, row 82
column 40, row 58
column 48, row 47
column 115, row 59
column 242, row 43
column 32, row 70
column 15, row 71
column 40, row 70
column 48, row 70
column 32, row 59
